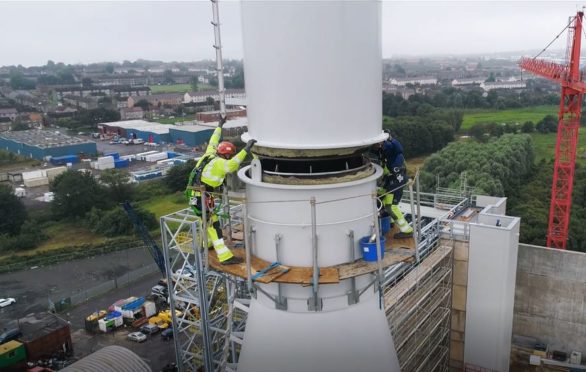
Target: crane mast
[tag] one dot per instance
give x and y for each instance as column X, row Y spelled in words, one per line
column 570, row 78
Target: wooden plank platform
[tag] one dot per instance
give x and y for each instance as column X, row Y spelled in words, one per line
column 396, row 250
column 295, row 275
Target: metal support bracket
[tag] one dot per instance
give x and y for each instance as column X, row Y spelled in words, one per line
column 353, row 296
column 280, row 301
column 315, row 304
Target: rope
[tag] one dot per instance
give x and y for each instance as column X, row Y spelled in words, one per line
column 555, row 38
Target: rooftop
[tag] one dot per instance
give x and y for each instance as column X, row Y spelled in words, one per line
column 42, row 138
column 34, row 326
column 232, row 123
column 191, row 128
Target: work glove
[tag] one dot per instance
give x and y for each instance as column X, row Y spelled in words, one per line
column 222, row 121
column 249, row 145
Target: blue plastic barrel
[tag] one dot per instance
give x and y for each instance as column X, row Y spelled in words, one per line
column 385, row 224
column 369, row 249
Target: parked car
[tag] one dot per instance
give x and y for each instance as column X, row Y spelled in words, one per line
column 11, row 334
column 137, row 337
column 149, row 329
column 167, row 334
column 7, row 302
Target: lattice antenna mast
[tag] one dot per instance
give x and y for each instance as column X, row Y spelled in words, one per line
column 219, row 62
column 570, row 78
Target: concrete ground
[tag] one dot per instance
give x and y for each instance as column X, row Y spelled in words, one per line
column 154, row 351
column 33, row 288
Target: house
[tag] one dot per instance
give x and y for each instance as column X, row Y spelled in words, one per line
column 469, row 81
column 124, row 91
column 9, row 113
column 202, row 97
column 503, row 85
column 157, row 100
column 86, row 103
column 131, row 113
column 212, row 116
column 413, row 81
column 404, row 92
column 120, row 102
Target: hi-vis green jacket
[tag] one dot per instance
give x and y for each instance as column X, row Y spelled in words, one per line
column 215, row 170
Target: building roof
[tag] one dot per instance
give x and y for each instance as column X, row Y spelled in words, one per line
column 141, row 125
column 232, row 123
column 160, row 96
column 38, row 325
column 42, row 138
column 132, row 109
column 191, row 128
column 110, row 358
column 8, row 111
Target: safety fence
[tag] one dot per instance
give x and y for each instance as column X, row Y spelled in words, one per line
column 84, row 295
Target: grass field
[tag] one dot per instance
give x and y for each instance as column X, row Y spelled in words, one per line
column 544, row 145
column 520, row 115
column 164, row 205
column 176, row 119
column 177, row 88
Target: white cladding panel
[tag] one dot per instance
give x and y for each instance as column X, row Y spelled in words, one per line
column 285, row 210
column 492, row 269
column 313, row 73
column 355, row 339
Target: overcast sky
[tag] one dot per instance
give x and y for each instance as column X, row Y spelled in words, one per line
column 81, row 32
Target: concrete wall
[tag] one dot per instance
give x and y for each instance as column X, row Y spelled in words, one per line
column 492, row 265
column 550, row 297
column 459, row 291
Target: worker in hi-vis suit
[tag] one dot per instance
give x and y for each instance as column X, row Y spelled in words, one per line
column 210, row 171
column 394, row 175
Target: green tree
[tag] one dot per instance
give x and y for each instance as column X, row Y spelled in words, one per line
column 18, row 81
column 478, row 132
column 109, row 68
column 528, row 127
column 116, row 222
column 13, row 212
column 178, row 175
column 193, row 83
column 76, row 194
column 549, row 124
column 491, row 78
column 19, row 125
column 168, row 77
column 143, row 104
column 118, row 183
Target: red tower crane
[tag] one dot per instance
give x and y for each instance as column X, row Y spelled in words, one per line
column 570, row 78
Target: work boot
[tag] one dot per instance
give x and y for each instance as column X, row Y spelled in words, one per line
column 232, row 261
column 403, row 235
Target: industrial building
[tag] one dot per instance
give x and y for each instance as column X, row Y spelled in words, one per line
column 192, row 134
column 145, row 130
column 42, row 144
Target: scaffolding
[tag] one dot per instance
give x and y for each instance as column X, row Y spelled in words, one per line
column 207, row 323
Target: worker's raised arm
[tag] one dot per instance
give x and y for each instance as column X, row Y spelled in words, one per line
column 214, row 141
column 233, row 164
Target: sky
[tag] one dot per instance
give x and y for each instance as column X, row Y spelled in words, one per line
column 31, row 33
